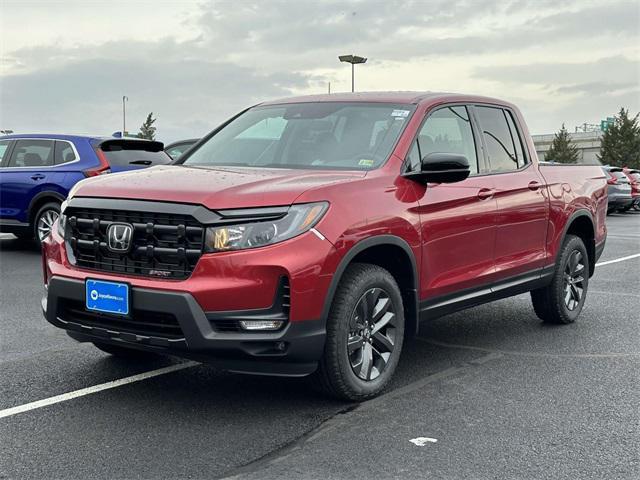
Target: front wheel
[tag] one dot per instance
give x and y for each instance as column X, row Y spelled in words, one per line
column 562, row 300
column 365, row 331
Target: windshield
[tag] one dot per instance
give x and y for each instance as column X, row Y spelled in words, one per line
column 327, row 135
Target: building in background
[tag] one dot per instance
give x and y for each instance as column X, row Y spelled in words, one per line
column 587, row 143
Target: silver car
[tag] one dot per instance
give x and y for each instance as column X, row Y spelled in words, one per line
column 619, row 189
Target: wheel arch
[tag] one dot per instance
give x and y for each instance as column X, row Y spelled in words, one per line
column 40, row 199
column 581, row 224
column 395, row 255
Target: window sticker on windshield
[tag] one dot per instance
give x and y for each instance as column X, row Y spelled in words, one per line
column 400, row 113
column 365, row 162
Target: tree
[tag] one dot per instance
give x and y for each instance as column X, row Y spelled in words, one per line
column 147, row 130
column 562, row 149
column 620, row 145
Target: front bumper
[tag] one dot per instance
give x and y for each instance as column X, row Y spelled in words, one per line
column 293, row 351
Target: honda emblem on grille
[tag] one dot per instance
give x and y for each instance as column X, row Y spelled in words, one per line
column 119, row 237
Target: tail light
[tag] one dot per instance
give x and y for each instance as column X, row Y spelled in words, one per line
column 103, row 168
column 613, row 180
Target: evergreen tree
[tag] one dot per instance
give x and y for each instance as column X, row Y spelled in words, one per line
column 621, row 142
column 562, row 149
column 147, row 130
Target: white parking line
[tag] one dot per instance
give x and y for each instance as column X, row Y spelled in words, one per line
column 622, row 259
column 95, row 389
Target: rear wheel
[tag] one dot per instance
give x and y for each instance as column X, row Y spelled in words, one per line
column 365, row 331
column 44, row 220
column 562, row 300
column 124, row 352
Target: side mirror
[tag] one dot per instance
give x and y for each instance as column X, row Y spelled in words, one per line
column 442, row 168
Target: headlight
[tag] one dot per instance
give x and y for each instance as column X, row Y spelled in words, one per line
column 62, row 219
column 297, row 220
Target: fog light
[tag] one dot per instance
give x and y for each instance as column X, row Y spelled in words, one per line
column 261, row 324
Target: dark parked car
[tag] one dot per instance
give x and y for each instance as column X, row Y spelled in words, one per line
column 310, row 236
column 176, row 149
column 619, row 189
column 37, row 172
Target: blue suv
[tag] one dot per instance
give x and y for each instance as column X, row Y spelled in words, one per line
column 37, row 172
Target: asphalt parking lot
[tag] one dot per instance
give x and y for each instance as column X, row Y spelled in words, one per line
column 486, row 393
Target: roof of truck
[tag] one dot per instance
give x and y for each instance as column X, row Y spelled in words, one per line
column 387, row 97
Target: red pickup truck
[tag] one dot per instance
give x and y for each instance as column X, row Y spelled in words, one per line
column 310, row 236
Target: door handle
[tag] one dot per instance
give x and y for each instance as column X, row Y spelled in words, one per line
column 533, row 185
column 485, row 193
column 37, row 176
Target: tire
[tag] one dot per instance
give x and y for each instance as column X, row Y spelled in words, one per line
column 627, row 208
column 45, row 219
column 351, row 321
column 124, row 352
column 556, row 303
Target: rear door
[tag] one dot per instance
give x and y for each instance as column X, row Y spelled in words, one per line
column 23, row 176
column 458, row 219
column 131, row 154
column 520, row 193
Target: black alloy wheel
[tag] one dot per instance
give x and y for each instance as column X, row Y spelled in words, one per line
column 372, row 334
column 574, row 273
column 562, row 300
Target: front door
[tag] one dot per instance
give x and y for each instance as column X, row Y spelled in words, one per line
column 458, row 219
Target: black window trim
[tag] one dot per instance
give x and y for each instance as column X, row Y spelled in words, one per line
column 482, row 164
column 514, row 117
column 47, row 167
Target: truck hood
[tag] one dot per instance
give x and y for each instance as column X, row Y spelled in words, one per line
column 215, row 188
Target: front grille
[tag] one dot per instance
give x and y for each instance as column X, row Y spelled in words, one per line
column 162, row 245
column 141, row 322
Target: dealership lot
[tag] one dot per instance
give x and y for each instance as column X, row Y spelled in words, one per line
column 486, row 393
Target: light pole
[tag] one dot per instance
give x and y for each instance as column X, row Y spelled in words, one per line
column 124, row 115
column 352, row 59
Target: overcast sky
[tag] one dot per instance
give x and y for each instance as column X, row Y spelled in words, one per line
column 65, row 65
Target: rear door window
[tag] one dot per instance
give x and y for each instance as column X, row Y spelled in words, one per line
column 503, row 151
column 620, row 175
column 4, row 150
column 64, row 152
column 32, row 153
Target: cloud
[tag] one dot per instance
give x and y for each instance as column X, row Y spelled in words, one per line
column 217, row 58
column 190, row 97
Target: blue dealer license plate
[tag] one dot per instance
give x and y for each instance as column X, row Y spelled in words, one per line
column 107, row 297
